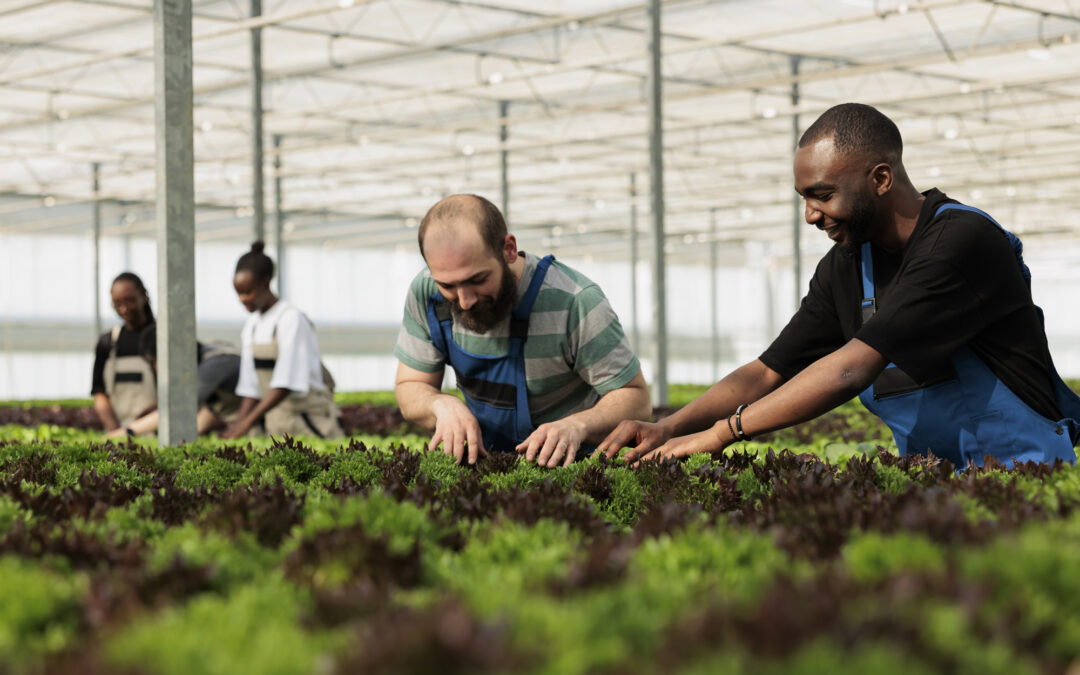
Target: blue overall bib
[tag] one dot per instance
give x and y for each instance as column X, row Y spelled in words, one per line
column 975, row 414
column 494, row 386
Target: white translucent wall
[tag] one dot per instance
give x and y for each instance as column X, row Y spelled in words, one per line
column 49, row 280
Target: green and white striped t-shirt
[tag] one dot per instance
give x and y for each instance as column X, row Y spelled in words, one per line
column 575, row 353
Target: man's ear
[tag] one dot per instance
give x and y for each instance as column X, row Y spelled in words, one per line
column 510, row 249
column 881, row 178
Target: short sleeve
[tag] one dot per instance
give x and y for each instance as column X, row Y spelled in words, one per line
column 959, row 283
column 414, row 347
column 599, row 351
column 247, row 384
column 814, row 332
column 296, row 351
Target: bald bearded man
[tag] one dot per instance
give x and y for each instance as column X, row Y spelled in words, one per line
column 536, row 348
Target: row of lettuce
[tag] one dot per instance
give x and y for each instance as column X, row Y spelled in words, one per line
column 284, row 557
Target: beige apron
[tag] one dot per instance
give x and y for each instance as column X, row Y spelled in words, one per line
column 130, row 384
column 311, row 414
column 226, row 404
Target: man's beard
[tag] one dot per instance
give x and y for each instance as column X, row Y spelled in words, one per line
column 858, row 227
column 488, row 312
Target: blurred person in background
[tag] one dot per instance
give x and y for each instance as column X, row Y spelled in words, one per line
column 282, row 381
column 537, row 349
column 217, row 375
column 922, row 308
column 124, row 386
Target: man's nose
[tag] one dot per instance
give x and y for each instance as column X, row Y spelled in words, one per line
column 812, row 215
column 466, row 298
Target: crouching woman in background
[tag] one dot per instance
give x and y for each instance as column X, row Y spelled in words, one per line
column 282, row 381
column 124, row 386
column 216, row 379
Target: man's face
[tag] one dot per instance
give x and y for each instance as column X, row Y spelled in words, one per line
column 837, row 193
column 477, row 283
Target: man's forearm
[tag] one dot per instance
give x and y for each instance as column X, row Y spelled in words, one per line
column 625, row 403
column 745, row 384
column 822, row 386
column 415, row 400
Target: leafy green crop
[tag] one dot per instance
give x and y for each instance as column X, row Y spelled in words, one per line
column 373, row 555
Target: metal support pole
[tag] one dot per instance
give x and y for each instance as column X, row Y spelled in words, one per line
column 634, row 263
column 258, row 216
column 279, row 218
column 656, row 193
column 96, row 171
column 504, row 158
column 714, row 298
column 174, row 125
column 796, row 205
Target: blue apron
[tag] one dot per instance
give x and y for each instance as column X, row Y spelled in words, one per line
column 965, row 418
column 494, row 386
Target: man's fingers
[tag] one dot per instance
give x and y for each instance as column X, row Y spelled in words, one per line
column 643, row 448
column 535, row 441
column 436, row 438
column 545, row 452
column 557, row 455
column 459, row 447
column 472, row 438
column 618, row 438
column 571, row 454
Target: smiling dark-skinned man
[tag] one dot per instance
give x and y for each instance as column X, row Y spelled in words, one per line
column 922, row 308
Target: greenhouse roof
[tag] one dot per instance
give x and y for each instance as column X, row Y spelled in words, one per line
column 376, row 108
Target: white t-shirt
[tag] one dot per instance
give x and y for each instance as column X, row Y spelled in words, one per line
column 297, row 368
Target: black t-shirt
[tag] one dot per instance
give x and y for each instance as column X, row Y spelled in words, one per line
column 956, row 282
column 127, row 344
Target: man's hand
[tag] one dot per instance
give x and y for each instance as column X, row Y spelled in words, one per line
column 643, row 436
column 554, row 442
column 456, row 428
column 117, row 433
column 710, row 440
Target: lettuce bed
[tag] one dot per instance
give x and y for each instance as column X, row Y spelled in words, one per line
column 298, row 557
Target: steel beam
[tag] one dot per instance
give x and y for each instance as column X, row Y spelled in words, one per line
column 634, row 264
column 173, row 121
column 279, row 218
column 504, row 158
column 796, row 205
column 654, row 88
column 714, row 319
column 258, row 204
column 96, row 172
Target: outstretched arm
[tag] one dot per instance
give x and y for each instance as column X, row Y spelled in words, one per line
column 822, row 386
column 745, row 384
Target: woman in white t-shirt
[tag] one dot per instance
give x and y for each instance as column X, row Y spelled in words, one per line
column 282, row 381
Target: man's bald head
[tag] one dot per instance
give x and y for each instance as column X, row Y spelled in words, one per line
column 858, row 131
column 460, row 214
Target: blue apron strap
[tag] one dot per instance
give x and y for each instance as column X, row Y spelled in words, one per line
column 1014, row 241
column 436, row 307
column 519, row 329
column 523, row 310
column 869, row 302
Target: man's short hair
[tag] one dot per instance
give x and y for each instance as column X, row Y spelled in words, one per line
column 857, row 129
column 474, row 208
